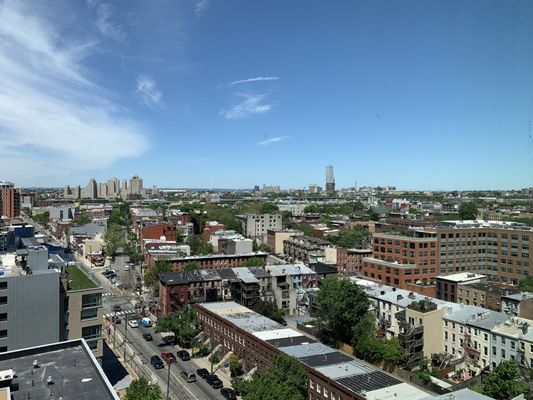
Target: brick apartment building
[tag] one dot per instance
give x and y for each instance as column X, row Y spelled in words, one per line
column 500, row 250
column 333, row 375
column 210, row 228
column 154, row 230
column 9, row 202
column 486, row 295
column 350, row 261
column 448, row 286
column 402, row 261
column 210, row 261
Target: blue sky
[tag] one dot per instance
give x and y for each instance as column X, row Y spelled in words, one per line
column 212, row 93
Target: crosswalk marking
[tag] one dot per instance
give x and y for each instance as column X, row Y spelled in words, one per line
column 108, row 294
column 119, row 313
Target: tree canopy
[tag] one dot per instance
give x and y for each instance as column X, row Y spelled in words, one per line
column 268, row 208
column 349, row 238
column 505, row 382
column 269, row 309
column 369, row 347
column 468, row 211
column 526, row 284
column 341, row 305
column 191, row 266
column 151, row 276
column 199, row 246
column 285, row 379
column 184, row 324
column 141, row 389
column 253, row 262
column 114, row 239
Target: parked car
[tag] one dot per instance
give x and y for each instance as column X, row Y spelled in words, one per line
column 126, row 267
column 168, row 357
column 202, row 373
column 228, row 393
column 157, row 362
column 189, row 377
column 183, row 355
column 133, row 323
column 283, row 322
column 117, row 308
column 167, row 341
column 148, row 337
column 146, row 322
column 214, row 381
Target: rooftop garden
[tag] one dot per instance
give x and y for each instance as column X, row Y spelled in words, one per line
column 78, row 280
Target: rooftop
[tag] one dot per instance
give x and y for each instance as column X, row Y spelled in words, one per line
column 75, row 372
column 78, row 280
column 289, row 269
column 519, row 296
column 462, row 277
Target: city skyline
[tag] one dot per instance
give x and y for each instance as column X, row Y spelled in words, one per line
column 427, row 96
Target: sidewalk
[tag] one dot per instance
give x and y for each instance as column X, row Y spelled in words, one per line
column 222, row 373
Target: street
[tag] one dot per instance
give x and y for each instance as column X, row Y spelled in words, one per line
column 136, row 347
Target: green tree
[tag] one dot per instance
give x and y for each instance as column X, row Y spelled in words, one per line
column 373, row 215
column 191, row 266
column 253, row 262
column 341, row 305
column 42, row 218
column 505, row 382
column 285, row 379
column 184, row 324
column 369, row 347
column 235, row 366
column 141, row 389
column 269, row 309
column 526, row 284
column 199, row 246
column 151, row 277
column 468, row 211
column 114, row 239
column 350, row 238
column 268, row 208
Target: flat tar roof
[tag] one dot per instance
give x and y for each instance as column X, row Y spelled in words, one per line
column 74, row 370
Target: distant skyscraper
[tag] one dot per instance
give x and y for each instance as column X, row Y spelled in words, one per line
column 330, row 179
column 136, row 185
column 113, row 189
column 91, row 190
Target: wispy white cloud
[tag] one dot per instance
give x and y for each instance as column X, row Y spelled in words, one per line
column 200, row 7
column 256, row 79
column 51, row 112
column 249, row 80
column 105, row 22
column 275, row 139
column 150, row 95
column 252, row 104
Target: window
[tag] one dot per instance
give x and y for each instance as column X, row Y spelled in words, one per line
column 91, row 300
column 91, row 332
column 493, row 350
column 3, row 317
column 3, row 299
column 3, row 333
column 89, row 313
column 3, row 285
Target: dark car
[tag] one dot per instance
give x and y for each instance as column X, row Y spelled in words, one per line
column 167, row 341
column 214, row 381
column 202, row 373
column 157, row 362
column 228, row 393
column 168, row 357
column 148, row 337
column 183, row 355
column 116, row 308
column 283, row 322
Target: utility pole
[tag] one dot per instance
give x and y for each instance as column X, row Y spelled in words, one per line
column 125, row 337
column 168, row 380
